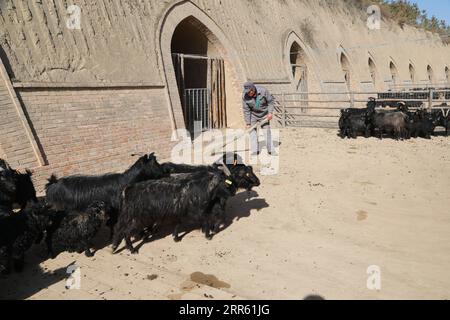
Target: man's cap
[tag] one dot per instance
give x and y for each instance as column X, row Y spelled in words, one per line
column 249, row 86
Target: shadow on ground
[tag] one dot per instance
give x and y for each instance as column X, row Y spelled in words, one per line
column 20, row 286
column 239, row 207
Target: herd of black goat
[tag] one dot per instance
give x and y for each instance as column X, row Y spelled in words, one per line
column 134, row 205
column 400, row 123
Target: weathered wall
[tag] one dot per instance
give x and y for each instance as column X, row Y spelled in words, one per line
column 108, row 89
column 119, row 39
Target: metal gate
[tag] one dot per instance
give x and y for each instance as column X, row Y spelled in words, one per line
column 203, row 108
column 196, row 109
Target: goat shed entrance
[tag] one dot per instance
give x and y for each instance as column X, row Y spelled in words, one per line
column 200, row 74
column 201, row 84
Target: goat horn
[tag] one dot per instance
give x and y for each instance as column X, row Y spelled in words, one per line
column 225, row 169
column 138, row 155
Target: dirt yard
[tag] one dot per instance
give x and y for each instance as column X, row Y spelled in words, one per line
column 336, row 208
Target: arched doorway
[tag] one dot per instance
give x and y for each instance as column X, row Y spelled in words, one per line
column 412, row 73
column 200, row 74
column 345, row 64
column 394, row 73
column 177, row 22
column 373, row 72
column 299, row 67
column 447, row 75
column 430, row 73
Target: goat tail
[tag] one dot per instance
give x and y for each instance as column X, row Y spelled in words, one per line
column 51, row 181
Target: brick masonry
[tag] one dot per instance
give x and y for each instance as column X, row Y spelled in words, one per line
column 96, row 130
column 16, row 146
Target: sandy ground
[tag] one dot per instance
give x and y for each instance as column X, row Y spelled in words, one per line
column 336, row 208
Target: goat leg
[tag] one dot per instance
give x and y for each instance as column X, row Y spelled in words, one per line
column 88, row 253
column 9, row 261
column 207, row 230
column 49, row 243
column 176, row 232
column 129, row 245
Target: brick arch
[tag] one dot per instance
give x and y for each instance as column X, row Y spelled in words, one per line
column 173, row 16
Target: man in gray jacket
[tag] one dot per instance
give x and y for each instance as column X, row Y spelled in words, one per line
column 258, row 105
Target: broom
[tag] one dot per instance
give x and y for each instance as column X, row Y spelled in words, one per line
column 236, row 138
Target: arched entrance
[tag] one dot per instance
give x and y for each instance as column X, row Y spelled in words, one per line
column 346, row 69
column 373, row 72
column 447, row 75
column 200, row 74
column 299, row 67
column 412, row 73
column 430, row 73
column 197, row 56
column 394, row 73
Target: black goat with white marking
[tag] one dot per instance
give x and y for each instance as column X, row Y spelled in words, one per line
column 77, row 193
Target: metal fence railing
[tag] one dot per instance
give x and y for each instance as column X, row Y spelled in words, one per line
column 196, row 109
column 322, row 109
column 419, row 86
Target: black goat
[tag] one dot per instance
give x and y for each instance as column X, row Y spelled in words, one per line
column 18, row 232
column 441, row 118
column 8, row 190
column 421, row 124
column 393, row 123
column 354, row 125
column 355, row 122
column 190, row 196
column 243, row 175
column 75, row 231
column 77, row 193
column 24, row 188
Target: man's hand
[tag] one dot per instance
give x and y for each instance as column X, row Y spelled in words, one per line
column 248, row 126
column 270, row 117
